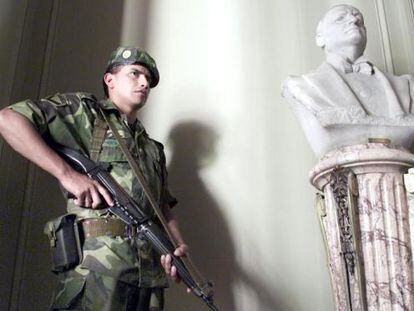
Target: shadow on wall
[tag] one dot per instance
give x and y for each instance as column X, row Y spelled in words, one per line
column 203, row 224
column 201, row 220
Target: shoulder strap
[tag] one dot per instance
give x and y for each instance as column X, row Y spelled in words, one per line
column 138, row 174
column 98, row 136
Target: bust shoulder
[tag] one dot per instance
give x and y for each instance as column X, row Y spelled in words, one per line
column 323, row 92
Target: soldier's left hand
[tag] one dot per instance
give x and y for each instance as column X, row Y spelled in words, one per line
column 166, row 262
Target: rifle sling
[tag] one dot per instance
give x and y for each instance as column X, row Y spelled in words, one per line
column 98, row 136
column 141, row 179
column 138, row 174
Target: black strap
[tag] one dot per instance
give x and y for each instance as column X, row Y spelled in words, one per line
column 100, row 128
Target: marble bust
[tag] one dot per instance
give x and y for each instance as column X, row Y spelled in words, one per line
column 347, row 99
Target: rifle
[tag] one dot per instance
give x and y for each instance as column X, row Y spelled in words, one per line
column 129, row 211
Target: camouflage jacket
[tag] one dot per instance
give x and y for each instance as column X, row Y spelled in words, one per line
column 69, row 120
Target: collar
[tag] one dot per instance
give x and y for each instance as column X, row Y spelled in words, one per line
column 361, row 64
column 109, row 106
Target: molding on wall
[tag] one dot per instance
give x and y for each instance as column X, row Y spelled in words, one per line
column 17, row 294
column 395, row 29
column 14, row 59
column 24, row 229
column 384, row 35
column 43, row 83
column 411, row 6
column 1, row 147
column 8, row 98
column 16, row 51
column 136, row 15
column 408, row 35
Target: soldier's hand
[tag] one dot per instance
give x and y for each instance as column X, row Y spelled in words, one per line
column 88, row 192
column 166, row 262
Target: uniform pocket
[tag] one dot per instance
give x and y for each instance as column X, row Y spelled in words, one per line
column 111, row 151
column 69, row 293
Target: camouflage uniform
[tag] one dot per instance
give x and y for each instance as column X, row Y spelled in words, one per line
column 111, row 267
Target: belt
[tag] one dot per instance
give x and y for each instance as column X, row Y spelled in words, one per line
column 94, row 227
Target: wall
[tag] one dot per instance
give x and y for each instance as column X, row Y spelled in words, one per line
column 238, row 160
column 17, row 41
column 54, row 46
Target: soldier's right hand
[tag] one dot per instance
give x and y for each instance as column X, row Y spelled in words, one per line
column 88, row 193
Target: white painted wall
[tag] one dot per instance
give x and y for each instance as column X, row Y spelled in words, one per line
column 222, row 64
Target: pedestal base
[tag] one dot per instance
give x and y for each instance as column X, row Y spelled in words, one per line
column 366, row 226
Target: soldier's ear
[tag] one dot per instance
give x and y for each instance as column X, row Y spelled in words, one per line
column 108, row 79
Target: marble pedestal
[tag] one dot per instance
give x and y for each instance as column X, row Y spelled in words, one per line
column 364, row 213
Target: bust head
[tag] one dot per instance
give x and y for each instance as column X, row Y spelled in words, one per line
column 342, row 29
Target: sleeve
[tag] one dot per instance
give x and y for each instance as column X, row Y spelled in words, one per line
column 31, row 110
column 66, row 118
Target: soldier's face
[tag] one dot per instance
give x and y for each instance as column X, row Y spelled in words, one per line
column 129, row 85
column 343, row 26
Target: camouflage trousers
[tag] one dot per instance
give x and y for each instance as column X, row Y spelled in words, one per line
column 95, row 291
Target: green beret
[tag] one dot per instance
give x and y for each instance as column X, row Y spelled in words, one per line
column 125, row 55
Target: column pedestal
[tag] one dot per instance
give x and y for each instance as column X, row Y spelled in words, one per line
column 364, row 213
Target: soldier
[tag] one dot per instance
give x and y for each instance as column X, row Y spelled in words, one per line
column 118, row 270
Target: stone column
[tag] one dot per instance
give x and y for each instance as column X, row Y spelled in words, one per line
column 365, row 219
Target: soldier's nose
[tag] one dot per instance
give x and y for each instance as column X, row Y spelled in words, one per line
column 143, row 81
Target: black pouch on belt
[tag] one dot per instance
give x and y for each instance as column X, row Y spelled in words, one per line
column 65, row 242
